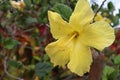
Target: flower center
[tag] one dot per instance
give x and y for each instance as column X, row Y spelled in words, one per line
column 73, row 36
column 69, row 42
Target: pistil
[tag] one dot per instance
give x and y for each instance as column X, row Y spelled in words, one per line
column 74, row 35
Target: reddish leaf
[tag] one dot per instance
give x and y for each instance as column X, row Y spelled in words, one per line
column 3, row 32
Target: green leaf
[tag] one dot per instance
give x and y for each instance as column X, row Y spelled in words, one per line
column 36, row 1
column 14, row 64
column 95, row 7
column 31, row 20
column 118, row 14
column 115, row 20
column 111, row 6
column 53, row 2
column 113, row 75
column 28, row 3
column 63, row 10
column 117, row 59
column 43, row 68
column 37, row 58
column 31, row 67
column 9, row 43
column 107, row 71
column 3, row 24
column 46, row 57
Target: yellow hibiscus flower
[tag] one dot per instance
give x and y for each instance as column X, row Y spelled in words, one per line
column 74, row 38
column 20, row 5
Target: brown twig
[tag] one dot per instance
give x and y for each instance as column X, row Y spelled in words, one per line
column 98, row 10
column 28, row 30
column 68, row 2
column 96, row 67
column 6, row 67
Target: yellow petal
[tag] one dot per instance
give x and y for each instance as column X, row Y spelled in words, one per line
column 80, row 59
column 82, row 14
column 59, row 27
column 98, row 35
column 59, row 51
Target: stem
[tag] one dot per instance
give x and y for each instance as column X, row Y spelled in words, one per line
column 98, row 10
column 68, row 2
column 6, row 67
